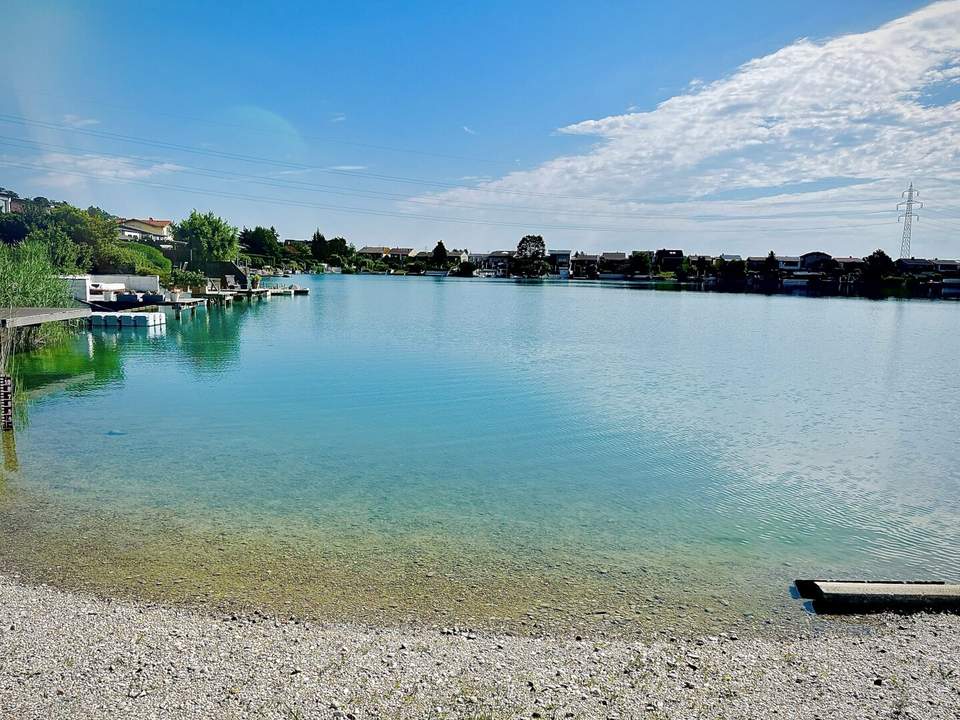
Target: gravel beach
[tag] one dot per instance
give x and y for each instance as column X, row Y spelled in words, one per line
column 65, row 655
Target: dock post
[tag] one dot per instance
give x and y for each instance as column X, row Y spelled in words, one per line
column 6, row 402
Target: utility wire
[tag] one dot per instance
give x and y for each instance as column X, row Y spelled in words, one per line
column 413, row 216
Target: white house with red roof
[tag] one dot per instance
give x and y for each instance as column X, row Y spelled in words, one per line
column 157, row 231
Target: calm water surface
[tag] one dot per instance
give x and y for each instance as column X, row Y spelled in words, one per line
column 493, row 450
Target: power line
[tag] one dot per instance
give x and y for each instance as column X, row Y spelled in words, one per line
column 414, row 216
column 374, row 194
column 20, row 120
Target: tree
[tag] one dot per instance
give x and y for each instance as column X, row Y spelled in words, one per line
column 210, row 238
column 771, row 265
column 13, row 228
column 65, row 254
column 702, row 266
column 319, row 247
column 876, row 266
column 341, row 248
column 261, row 241
column 639, row 263
column 530, row 260
column 465, row 269
column 440, row 255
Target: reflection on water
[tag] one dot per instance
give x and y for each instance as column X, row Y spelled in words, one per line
column 465, row 449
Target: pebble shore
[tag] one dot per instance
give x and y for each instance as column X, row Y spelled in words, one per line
column 67, row 655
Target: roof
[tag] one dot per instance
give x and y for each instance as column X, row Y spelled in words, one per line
column 730, row 257
column 149, row 221
column 400, row 251
column 946, row 262
column 815, row 252
column 503, row 253
column 374, row 249
column 849, row 260
column 559, row 252
column 584, row 256
column 613, row 256
column 787, row 258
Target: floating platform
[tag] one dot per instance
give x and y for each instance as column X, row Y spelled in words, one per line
column 864, row 596
column 127, row 319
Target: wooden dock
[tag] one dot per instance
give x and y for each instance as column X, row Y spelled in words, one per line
column 30, row 316
column 860, row 596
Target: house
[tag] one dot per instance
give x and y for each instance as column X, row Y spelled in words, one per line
column 373, row 252
column 457, row 256
column 479, row 259
column 816, row 261
column 729, row 258
column 757, row 262
column 149, row 230
column 6, row 200
column 500, row 262
column 584, row 265
column 701, row 261
column 668, row 260
column 848, row 264
column 399, row 254
column 788, row 262
column 947, row 267
column 559, row 262
column 296, row 241
column 915, row 265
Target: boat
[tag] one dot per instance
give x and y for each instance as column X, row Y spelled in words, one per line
column 866, row 596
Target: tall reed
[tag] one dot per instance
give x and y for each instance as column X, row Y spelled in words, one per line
column 28, row 279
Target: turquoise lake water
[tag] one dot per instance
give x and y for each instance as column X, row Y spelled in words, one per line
column 500, row 445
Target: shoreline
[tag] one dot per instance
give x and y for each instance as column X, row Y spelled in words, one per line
column 69, row 655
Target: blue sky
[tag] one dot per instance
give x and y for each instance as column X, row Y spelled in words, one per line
column 715, row 127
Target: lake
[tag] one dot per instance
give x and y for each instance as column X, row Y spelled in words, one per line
column 493, row 452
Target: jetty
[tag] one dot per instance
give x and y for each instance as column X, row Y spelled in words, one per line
column 864, row 596
column 30, row 316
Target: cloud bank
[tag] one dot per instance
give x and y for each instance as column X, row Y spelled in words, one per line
column 816, row 135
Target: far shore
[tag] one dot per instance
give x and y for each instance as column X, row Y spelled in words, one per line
column 70, row 655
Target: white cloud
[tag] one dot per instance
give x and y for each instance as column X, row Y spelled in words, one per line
column 469, row 130
column 77, row 121
column 838, row 120
column 338, row 117
column 64, row 170
column 347, row 167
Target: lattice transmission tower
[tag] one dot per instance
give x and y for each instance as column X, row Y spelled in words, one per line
column 907, row 214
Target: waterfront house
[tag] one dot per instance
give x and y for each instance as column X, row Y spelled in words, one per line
column 153, row 231
column 757, row 262
column 729, row 258
column 788, row 263
column 399, row 254
column 816, row 261
column 500, row 262
column 584, row 265
column 668, row 260
column 457, row 256
column 915, row 265
column 559, row 262
column 479, row 259
column 848, row 264
column 612, row 262
column 373, row 252
column 947, row 267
